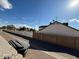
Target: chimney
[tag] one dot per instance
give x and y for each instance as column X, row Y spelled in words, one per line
column 66, row 24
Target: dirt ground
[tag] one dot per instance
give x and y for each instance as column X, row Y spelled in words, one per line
column 31, row 53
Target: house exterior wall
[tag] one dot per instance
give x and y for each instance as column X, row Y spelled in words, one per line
column 66, row 41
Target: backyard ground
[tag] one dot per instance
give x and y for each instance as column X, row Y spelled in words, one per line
column 40, row 50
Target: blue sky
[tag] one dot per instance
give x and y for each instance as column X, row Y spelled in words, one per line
column 34, row 13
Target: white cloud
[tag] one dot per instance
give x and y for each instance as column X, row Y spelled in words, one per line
column 72, row 20
column 36, row 27
column 21, row 25
column 5, row 4
column 27, row 26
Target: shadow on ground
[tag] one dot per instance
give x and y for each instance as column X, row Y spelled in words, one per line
column 45, row 46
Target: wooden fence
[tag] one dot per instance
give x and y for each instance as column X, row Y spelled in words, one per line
column 66, row 41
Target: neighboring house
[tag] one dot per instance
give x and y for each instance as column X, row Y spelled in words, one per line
column 42, row 27
column 59, row 33
column 58, row 28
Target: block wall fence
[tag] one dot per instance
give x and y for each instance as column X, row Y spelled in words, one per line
column 66, row 41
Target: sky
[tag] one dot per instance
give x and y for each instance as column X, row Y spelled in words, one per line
column 34, row 13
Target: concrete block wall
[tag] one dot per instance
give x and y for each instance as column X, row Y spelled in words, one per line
column 66, row 41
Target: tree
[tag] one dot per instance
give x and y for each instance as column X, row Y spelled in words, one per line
column 4, row 27
column 11, row 27
column 22, row 29
column 32, row 30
